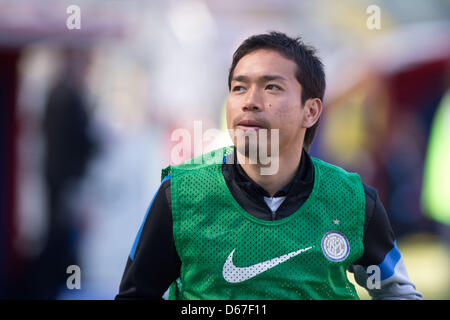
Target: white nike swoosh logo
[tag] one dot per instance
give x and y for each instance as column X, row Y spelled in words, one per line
column 234, row 274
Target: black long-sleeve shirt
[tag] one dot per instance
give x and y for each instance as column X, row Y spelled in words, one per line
column 154, row 264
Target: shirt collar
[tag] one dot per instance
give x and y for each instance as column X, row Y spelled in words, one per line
column 302, row 179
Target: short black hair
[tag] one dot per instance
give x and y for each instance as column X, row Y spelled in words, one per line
column 310, row 72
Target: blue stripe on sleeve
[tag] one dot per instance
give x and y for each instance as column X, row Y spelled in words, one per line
column 390, row 261
column 136, row 241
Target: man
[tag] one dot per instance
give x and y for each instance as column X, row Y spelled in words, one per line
column 227, row 231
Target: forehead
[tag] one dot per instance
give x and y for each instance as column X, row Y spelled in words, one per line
column 263, row 61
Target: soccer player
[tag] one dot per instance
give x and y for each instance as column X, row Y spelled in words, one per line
column 227, row 231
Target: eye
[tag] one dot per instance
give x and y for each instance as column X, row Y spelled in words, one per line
column 273, row 87
column 238, row 88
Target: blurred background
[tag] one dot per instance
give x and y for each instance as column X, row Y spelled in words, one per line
column 87, row 116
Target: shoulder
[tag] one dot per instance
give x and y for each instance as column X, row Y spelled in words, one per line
column 206, row 160
column 337, row 177
column 331, row 168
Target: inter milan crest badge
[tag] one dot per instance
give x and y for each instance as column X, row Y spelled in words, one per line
column 335, row 246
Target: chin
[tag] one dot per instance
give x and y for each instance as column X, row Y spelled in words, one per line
column 258, row 150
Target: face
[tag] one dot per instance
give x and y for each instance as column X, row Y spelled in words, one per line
column 265, row 94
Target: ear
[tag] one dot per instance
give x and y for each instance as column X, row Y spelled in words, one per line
column 312, row 111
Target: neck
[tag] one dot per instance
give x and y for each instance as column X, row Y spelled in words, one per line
column 287, row 168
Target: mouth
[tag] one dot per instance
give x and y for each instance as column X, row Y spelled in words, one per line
column 249, row 125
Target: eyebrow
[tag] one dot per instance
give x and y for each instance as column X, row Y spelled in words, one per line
column 265, row 78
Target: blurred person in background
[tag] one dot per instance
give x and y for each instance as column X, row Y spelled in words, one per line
column 436, row 189
column 68, row 149
column 416, row 93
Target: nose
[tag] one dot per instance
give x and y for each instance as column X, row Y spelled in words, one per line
column 253, row 100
